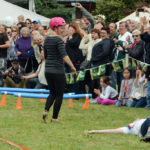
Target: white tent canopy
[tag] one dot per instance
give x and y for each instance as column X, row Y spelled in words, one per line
column 133, row 16
column 11, row 11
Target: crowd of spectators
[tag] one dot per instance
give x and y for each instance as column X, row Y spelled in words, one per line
column 88, row 41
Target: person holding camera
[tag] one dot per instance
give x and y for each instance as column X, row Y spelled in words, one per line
column 136, row 50
column 13, row 75
column 86, row 17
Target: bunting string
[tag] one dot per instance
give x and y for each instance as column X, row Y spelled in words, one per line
column 98, row 71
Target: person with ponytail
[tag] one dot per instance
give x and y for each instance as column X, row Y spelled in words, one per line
column 55, row 55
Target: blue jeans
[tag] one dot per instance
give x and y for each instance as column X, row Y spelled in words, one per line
column 34, row 83
column 139, row 103
column 127, row 102
column 148, row 95
column 145, row 126
column 119, row 79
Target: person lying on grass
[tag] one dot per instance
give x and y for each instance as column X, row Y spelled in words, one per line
column 140, row 127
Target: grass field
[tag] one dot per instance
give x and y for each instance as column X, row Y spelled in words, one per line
column 24, row 127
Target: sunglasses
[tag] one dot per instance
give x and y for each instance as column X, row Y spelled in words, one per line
column 135, row 35
column 28, row 23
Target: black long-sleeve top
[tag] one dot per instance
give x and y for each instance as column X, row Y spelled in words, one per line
column 54, row 52
column 138, row 51
column 102, row 52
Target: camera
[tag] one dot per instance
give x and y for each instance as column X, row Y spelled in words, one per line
column 140, row 10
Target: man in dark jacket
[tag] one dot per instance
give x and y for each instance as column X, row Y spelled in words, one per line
column 14, row 75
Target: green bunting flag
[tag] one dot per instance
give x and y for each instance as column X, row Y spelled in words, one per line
column 117, row 67
column 101, row 70
column 124, row 63
column 69, row 78
column 144, row 66
column 133, row 64
column 94, row 73
column 80, row 76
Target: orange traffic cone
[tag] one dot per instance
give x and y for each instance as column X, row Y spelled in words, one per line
column 3, row 101
column 19, row 105
column 42, row 100
column 86, row 104
column 70, row 104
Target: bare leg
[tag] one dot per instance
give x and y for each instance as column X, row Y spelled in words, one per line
column 148, row 129
column 109, row 131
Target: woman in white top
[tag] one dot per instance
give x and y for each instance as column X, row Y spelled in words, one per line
column 139, row 91
column 88, row 41
column 108, row 95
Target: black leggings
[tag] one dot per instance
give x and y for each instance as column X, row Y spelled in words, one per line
column 56, row 85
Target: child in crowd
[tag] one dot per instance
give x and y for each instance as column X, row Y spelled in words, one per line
column 108, row 95
column 125, row 89
column 140, row 127
column 138, row 95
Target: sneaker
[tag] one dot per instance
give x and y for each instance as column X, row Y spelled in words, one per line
column 45, row 116
column 55, row 120
column 93, row 101
column 147, row 107
column 146, row 139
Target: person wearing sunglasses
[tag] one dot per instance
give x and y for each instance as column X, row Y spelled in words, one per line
column 136, row 50
column 28, row 23
column 11, row 53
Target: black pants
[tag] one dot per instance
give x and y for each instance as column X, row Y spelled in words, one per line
column 56, row 85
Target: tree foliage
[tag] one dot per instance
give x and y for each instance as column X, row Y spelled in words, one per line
column 51, row 8
column 115, row 10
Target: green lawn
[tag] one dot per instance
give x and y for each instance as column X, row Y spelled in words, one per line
column 24, row 127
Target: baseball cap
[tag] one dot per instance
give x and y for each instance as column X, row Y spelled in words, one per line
column 36, row 21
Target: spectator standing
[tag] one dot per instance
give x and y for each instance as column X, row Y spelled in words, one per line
column 87, row 17
column 113, row 30
column 72, row 48
column 4, row 44
column 13, row 37
column 24, row 50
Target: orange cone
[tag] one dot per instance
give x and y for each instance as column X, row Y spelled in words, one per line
column 42, row 100
column 19, row 105
column 70, row 104
column 86, row 104
column 3, row 101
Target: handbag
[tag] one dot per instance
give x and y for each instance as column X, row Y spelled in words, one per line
column 30, row 53
column 85, row 64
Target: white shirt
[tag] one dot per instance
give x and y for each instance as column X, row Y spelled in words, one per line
column 108, row 93
column 41, row 75
column 134, row 128
column 124, row 36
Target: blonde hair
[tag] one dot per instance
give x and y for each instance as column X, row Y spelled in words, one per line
column 21, row 17
column 51, row 32
column 14, row 27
